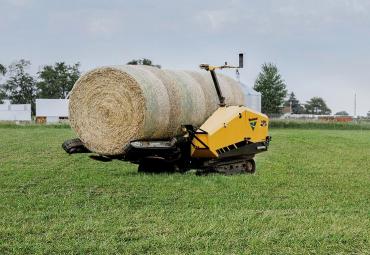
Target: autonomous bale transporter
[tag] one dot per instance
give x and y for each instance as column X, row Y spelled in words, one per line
column 226, row 142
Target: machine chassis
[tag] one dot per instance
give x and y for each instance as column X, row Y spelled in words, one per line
column 174, row 156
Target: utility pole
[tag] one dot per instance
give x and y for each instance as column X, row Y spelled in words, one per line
column 355, row 107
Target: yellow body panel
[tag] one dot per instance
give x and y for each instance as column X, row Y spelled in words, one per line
column 228, row 126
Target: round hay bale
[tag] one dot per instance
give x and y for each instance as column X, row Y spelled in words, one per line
column 111, row 106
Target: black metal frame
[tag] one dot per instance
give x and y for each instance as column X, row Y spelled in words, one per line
column 212, row 69
column 221, row 98
column 193, row 132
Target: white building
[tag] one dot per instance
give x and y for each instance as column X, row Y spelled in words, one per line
column 252, row 98
column 15, row 112
column 51, row 110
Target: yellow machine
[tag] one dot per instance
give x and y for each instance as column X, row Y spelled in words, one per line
column 228, row 129
column 226, row 143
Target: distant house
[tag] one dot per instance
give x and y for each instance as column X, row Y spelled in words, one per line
column 15, row 112
column 287, row 110
column 51, row 110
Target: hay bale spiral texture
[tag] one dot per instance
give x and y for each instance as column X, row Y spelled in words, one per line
column 111, row 106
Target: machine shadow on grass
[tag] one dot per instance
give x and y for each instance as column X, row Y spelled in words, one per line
column 153, row 169
column 160, row 168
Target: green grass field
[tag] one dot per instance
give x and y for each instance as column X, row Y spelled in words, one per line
column 310, row 195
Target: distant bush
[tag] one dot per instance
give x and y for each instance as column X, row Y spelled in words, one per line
column 300, row 124
column 4, row 124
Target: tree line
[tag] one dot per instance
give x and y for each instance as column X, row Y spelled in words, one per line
column 275, row 97
column 56, row 81
column 52, row 81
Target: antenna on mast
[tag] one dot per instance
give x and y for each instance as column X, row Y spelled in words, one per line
column 212, row 69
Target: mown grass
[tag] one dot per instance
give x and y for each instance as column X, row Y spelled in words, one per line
column 307, row 124
column 310, row 195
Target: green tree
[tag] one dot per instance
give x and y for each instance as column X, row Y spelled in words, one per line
column 272, row 87
column 2, row 70
column 142, row 61
column 20, row 87
column 56, row 81
column 292, row 101
column 2, row 92
column 342, row 113
column 2, row 96
column 317, row 105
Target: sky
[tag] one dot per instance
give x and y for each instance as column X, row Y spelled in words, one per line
column 321, row 47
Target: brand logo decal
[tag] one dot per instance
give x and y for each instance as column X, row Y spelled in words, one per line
column 253, row 123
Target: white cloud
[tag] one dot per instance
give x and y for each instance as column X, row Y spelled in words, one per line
column 19, row 3
column 95, row 23
column 217, row 19
column 103, row 24
column 358, row 6
column 270, row 17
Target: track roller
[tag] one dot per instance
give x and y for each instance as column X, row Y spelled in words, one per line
column 73, row 146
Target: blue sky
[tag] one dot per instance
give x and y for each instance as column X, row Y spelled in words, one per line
column 322, row 48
